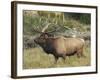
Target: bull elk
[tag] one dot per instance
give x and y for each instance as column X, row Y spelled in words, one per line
column 60, row 46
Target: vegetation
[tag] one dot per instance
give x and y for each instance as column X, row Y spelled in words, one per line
column 60, row 20
column 66, row 24
column 37, row 58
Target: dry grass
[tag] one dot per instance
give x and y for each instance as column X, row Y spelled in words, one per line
column 37, row 58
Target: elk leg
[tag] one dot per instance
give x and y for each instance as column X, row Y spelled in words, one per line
column 56, row 59
column 64, row 57
column 80, row 53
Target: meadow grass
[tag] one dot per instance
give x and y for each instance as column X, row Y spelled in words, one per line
column 37, row 58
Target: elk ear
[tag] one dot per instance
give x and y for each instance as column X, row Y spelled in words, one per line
column 44, row 35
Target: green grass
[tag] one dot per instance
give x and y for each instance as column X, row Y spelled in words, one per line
column 37, row 58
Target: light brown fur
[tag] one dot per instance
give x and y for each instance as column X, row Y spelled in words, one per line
column 61, row 46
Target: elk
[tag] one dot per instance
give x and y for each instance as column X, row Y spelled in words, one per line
column 59, row 46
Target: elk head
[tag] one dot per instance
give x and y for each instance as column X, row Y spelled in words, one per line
column 41, row 39
column 43, row 35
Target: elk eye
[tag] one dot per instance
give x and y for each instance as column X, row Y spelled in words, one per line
column 42, row 39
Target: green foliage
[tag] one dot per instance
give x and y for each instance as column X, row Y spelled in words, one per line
column 70, row 20
column 85, row 18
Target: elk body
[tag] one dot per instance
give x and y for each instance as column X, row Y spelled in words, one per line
column 61, row 46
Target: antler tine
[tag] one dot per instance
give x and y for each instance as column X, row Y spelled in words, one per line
column 47, row 27
column 53, row 30
column 43, row 30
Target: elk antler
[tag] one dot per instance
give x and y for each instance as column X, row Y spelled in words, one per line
column 37, row 31
column 44, row 29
